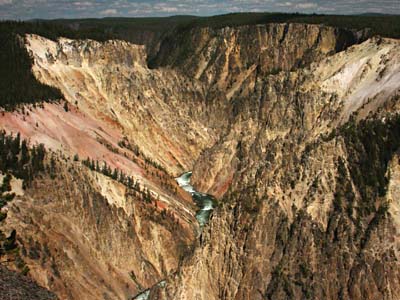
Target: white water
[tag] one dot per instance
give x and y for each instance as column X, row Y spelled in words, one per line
column 205, row 202
column 145, row 295
column 184, row 182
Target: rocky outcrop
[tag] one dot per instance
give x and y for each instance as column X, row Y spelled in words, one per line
column 294, row 130
column 82, row 243
column 305, row 213
column 229, row 56
column 14, row 286
column 293, row 109
column 110, row 81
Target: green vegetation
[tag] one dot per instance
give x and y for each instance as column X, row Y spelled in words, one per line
column 344, row 196
column 24, row 162
column 66, row 108
column 5, row 195
column 17, row 82
column 388, row 26
column 183, row 45
column 143, row 193
column 10, row 242
column 18, row 85
column 385, row 26
column 127, row 28
column 124, row 143
column 17, row 158
column 6, row 186
column 10, row 247
column 371, row 144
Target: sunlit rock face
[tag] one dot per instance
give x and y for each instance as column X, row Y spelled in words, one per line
column 228, row 56
column 155, row 109
column 293, row 128
column 94, row 238
column 305, row 170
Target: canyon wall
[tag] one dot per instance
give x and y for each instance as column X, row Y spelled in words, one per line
column 110, row 81
column 293, row 127
column 85, row 236
column 228, row 56
column 305, row 173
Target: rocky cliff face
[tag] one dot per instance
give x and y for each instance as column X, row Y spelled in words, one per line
column 295, row 131
column 14, row 285
column 308, row 213
column 229, row 56
column 86, row 236
column 110, row 81
column 293, row 109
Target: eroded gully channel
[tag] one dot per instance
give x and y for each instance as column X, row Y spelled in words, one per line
column 205, row 202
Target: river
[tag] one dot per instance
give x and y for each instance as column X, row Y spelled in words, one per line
column 206, row 203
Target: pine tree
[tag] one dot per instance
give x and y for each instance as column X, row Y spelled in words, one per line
column 115, row 174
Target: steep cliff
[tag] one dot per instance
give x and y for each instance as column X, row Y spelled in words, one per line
column 14, row 285
column 293, row 127
column 86, row 236
column 228, row 56
column 110, row 81
column 305, row 169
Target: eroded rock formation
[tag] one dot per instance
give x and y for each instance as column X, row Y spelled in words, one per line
column 294, row 128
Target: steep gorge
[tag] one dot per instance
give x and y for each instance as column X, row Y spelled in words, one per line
column 306, row 214
column 270, row 118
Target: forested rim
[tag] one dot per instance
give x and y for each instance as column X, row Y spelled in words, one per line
column 18, row 84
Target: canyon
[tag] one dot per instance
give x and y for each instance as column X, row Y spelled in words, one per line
column 293, row 128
